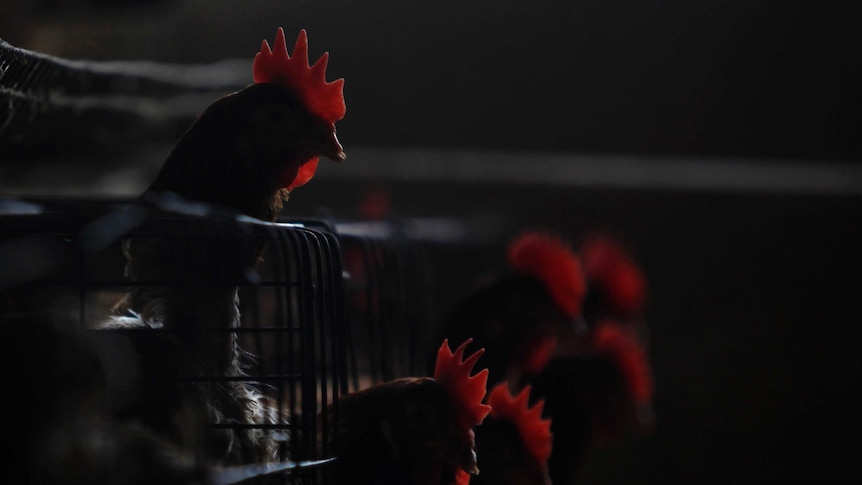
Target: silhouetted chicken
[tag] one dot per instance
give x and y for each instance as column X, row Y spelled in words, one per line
column 569, row 323
column 599, row 390
column 514, row 442
column 595, row 399
column 520, row 316
column 615, row 310
column 245, row 153
column 250, row 149
column 414, row 430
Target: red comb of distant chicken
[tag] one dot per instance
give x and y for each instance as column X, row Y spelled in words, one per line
column 608, row 264
column 535, row 431
column 323, row 99
column 538, row 353
column 618, row 342
column 551, row 260
column 465, row 391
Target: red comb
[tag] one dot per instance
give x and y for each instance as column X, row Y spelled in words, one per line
column 538, row 353
column 616, row 341
column 552, row 261
column 324, row 99
column 612, row 267
column 535, row 432
column 465, row 391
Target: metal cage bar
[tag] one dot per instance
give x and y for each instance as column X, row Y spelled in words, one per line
column 292, row 309
column 318, row 325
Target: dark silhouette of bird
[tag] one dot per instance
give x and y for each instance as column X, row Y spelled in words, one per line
column 567, row 320
column 598, row 390
column 412, row 430
column 249, row 150
column 244, row 154
column 521, row 315
column 515, row 441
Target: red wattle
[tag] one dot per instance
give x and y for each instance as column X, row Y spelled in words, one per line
column 303, row 175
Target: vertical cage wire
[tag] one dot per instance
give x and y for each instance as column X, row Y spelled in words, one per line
column 330, row 308
column 292, row 308
column 387, row 301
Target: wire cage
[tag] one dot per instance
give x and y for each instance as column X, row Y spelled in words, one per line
column 326, row 309
column 389, row 300
column 53, row 104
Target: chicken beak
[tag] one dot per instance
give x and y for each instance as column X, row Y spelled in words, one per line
column 332, row 149
column 467, row 456
column 469, row 464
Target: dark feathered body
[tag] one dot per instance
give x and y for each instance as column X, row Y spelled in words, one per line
column 505, row 317
column 91, row 452
column 588, row 403
column 399, row 433
column 240, row 150
column 503, row 457
column 181, row 315
column 182, row 393
column 67, row 386
column 239, row 155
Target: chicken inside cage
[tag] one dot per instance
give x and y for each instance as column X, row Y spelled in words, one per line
column 238, row 340
column 224, row 244
column 384, row 290
column 259, row 352
column 233, row 342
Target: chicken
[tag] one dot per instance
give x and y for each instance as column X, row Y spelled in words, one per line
column 250, row 149
column 568, row 322
column 412, row 430
column 599, row 393
column 520, row 316
column 596, row 398
column 245, row 154
column 615, row 309
column 514, row 442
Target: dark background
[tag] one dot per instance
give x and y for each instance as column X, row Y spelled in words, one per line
column 764, row 78
column 755, row 331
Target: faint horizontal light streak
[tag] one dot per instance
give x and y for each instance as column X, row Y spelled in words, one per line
column 129, row 174
column 610, row 171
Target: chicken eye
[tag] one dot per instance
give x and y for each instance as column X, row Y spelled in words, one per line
column 420, row 416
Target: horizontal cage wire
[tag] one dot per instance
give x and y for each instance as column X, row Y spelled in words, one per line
column 55, row 102
column 387, row 301
column 66, row 264
column 324, row 308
